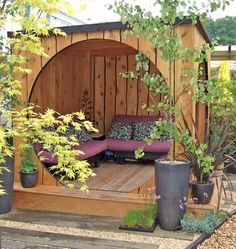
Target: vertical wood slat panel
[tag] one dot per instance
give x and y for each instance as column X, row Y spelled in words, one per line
column 77, row 37
column 121, row 88
column 129, row 40
column 185, row 102
column 110, row 90
column 114, row 35
column 95, row 35
column 142, row 97
column 132, row 98
column 99, row 100
column 92, row 85
column 49, row 44
column 63, row 42
column 34, row 64
column 146, row 47
column 153, row 100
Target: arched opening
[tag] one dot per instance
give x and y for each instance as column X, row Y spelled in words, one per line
column 87, row 76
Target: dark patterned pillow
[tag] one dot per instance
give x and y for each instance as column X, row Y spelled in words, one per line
column 82, row 135
column 165, row 137
column 142, row 130
column 120, row 131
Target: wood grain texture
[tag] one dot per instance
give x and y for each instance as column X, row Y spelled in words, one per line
column 125, row 178
column 77, row 37
column 132, row 89
column 95, row 35
column 99, row 89
column 146, row 47
column 114, row 35
column 59, row 199
column 129, row 40
column 49, row 44
column 110, row 90
column 63, row 42
column 34, row 64
column 121, row 87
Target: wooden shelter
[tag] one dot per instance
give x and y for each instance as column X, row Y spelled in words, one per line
column 86, row 64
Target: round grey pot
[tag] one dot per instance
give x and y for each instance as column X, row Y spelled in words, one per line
column 7, row 179
column 172, row 185
column 28, row 180
column 202, row 192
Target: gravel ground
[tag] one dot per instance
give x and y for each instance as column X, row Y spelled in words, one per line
column 222, row 238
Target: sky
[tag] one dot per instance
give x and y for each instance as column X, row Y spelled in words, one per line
column 97, row 12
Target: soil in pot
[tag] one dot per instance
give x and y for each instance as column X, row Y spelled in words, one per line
column 28, row 180
column 202, row 192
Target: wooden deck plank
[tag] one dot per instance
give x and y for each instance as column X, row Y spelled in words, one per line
column 120, row 178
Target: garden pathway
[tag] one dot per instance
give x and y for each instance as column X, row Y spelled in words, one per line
column 24, row 229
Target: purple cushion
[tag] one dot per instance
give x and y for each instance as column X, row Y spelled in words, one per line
column 90, row 148
column 132, row 145
column 134, row 118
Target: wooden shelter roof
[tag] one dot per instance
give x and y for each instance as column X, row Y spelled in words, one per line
column 120, row 25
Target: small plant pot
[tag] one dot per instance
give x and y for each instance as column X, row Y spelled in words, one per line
column 202, row 192
column 28, row 180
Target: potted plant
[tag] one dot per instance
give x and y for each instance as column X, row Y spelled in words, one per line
column 28, row 170
column 142, row 220
column 171, row 175
column 208, row 156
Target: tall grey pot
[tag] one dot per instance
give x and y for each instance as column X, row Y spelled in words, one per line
column 7, row 181
column 172, row 184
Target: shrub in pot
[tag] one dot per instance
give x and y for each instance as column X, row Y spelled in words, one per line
column 160, row 31
column 28, row 170
column 207, row 158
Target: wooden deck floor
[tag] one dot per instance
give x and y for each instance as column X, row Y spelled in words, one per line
column 130, row 177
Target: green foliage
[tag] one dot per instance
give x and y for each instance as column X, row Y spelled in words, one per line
column 27, row 162
column 159, row 29
column 29, row 126
column 223, row 29
column 140, row 218
column 206, row 224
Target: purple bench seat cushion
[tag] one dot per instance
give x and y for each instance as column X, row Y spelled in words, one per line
column 132, row 145
column 90, row 148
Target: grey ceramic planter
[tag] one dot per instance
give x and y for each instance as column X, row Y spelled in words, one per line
column 28, row 180
column 7, row 181
column 172, row 185
column 202, row 192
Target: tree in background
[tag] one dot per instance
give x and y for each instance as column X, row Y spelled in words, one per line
column 224, row 29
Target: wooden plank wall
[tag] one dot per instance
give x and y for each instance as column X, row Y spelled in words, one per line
column 60, row 80
column 63, row 82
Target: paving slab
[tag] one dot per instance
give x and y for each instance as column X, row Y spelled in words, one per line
column 98, row 223
column 23, row 229
column 13, row 240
